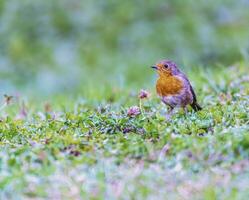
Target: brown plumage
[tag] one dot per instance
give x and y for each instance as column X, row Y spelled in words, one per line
column 174, row 87
column 168, row 86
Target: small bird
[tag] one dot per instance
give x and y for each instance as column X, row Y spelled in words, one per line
column 174, row 87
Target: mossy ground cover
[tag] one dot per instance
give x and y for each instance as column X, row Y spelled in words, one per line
column 86, row 149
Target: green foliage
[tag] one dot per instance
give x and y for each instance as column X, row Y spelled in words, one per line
column 98, row 151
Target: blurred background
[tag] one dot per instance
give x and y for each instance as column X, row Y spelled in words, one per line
column 84, row 47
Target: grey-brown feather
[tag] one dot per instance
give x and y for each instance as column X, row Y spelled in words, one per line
column 194, row 103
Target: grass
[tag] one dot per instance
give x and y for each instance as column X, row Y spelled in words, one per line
column 94, row 150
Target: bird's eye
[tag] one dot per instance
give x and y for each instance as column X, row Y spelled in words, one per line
column 166, row 66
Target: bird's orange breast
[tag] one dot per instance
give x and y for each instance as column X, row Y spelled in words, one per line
column 170, row 85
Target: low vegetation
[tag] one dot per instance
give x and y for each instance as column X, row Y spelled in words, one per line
column 123, row 148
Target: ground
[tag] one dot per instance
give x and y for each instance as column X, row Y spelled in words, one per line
column 79, row 148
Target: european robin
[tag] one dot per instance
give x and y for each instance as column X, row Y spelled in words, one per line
column 173, row 87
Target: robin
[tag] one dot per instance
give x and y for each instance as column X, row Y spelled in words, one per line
column 173, row 87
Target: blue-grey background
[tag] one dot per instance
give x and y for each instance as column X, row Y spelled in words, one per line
column 68, row 47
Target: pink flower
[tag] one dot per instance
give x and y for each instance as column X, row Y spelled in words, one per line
column 143, row 94
column 133, row 111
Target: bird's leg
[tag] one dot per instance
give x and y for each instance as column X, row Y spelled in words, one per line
column 174, row 110
column 185, row 109
column 170, row 113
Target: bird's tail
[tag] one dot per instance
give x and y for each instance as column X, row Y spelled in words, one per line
column 196, row 106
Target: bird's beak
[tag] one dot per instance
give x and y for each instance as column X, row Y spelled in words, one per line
column 154, row 67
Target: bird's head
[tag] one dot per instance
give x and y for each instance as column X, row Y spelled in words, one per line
column 166, row 68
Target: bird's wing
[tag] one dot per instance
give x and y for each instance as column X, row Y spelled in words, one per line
column 194, row 104
column 190, row 86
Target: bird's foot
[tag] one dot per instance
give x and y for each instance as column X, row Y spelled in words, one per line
column 168, row 116
column 172, row 112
